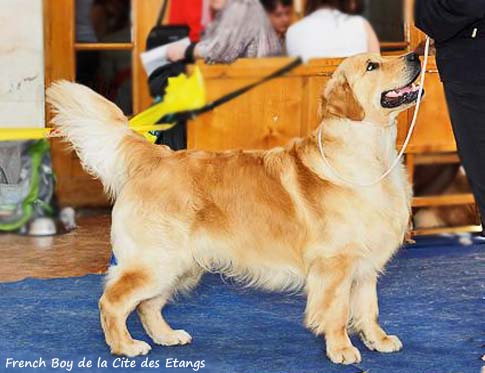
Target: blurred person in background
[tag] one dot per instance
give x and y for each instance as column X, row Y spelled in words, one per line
column 240, row 29
column 331, row 28
column 279, row 14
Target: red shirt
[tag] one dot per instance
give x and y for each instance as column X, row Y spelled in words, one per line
column 187, row 12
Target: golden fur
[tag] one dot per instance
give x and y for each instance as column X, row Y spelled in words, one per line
column 275, row 219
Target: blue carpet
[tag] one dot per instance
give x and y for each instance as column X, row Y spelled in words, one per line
column 432, row 296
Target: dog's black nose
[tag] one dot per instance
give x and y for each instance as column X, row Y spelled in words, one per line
column 412, row 57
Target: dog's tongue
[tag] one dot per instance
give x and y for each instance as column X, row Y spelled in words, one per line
column 401, row 92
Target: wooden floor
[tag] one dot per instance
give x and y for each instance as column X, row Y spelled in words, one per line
column 83, row 251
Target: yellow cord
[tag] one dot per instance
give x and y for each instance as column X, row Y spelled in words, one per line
column 24, row 134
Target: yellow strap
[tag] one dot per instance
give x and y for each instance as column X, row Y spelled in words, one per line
column 23, row 134
column 19, row 134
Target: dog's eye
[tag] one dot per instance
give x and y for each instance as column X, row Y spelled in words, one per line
column 371, row 66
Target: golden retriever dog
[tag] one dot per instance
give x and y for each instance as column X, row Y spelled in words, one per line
column 278, row 220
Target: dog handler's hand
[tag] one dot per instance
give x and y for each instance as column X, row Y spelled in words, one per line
column 176, row 52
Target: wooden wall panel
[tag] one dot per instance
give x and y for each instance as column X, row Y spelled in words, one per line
column 74, row 186
column 313, row 89
column 266, row 117
column 145, row 13
column 275, row 112
column 292, row 104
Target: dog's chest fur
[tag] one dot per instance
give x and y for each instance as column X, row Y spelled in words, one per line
column 386, row 226
column 373, row 219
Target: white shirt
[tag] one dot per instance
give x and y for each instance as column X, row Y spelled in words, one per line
column 327, row 33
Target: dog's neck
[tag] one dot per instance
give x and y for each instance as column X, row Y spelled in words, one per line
column 360, row 151
column 367, row 137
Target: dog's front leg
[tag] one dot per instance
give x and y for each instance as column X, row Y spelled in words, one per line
column 364, row 315
column 327, row 312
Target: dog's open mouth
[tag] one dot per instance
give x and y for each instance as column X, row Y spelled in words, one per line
column 401, row 96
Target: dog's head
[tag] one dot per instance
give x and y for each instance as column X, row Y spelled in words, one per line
column 371, row 87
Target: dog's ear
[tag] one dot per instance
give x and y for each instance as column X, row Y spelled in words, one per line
column 339, row 101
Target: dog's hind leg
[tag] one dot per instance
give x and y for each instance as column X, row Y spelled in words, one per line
column 124, row 290
column 364, row 315
column 327, row 312
column 150, row 312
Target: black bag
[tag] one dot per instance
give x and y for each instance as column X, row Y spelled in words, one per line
column 176, row 137
column 158, row 79
column 165, row 34
column 159, row 35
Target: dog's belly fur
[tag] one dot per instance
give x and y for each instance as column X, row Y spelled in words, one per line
column 208, row 209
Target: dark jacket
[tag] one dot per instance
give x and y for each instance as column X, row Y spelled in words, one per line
column 458, row 28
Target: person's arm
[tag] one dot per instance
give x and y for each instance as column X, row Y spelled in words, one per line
column 443, row 19
column 226, row 44
column 177, row 52
column 373, row 45
column 233, row 34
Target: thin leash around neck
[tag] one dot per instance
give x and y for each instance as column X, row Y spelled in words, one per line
column 373, row 125
column 406, row 141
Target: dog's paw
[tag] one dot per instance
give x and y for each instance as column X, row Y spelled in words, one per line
column 132, row 349
column 388, row 344
column 345, row 355
column 175, row 337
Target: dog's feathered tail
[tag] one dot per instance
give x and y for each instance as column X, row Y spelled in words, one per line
column 95, row 127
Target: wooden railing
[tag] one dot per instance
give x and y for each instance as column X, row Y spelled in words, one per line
column 286, row 107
